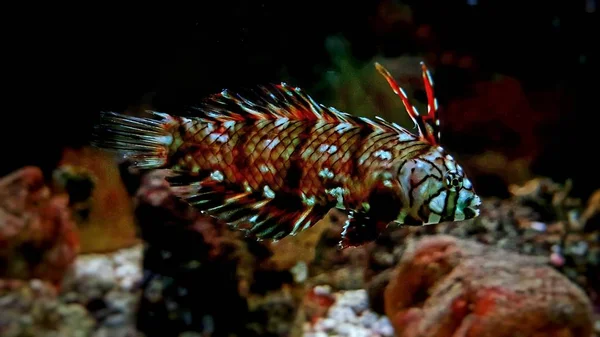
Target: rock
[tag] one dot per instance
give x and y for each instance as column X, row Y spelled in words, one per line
column 31, row 308
column 348, row 315
column 38, row 238
column 445, row 286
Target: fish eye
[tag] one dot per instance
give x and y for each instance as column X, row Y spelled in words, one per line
column 452, row 180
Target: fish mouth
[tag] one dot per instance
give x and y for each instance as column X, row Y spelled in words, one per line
column 473, row 209
column 470, row 212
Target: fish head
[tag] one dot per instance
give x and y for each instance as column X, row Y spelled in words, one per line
column 435, row 189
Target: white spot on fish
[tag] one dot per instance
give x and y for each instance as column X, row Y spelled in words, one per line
column 338, row 194
column 253, row 219
column 281, row 121
column 387, row 183
column 268, row 192
column 437, row 203
column 441, row 149
column 165, row 140
column 271, row 143
column 307, row 225
column 308, row 201
column 467, row 183
column 383, row 154
column 402, row 92
column 247, row 187
column 343, row 127
column 437, row 122
column 263, row 168
column 403, row 137
column 217, row 175
column 327, row 147
column 228, row 124
column 219, row 137
column 326, row 173
column 416, row 111
column 449, row 157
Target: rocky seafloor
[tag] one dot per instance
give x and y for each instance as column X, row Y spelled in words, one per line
column 528, row 264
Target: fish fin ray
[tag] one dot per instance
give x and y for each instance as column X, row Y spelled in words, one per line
column 248, row 211
column 144, row 141
column 429, row 124
column 358, row 230
column 278, row 101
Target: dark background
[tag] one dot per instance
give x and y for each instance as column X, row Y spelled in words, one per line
column 66, row 64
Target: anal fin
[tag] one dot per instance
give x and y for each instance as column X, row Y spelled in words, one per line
column 275, row 218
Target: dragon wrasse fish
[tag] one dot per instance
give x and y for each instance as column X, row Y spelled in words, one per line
column 273, row 162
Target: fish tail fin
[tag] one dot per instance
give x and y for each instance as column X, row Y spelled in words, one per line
column 145, row 142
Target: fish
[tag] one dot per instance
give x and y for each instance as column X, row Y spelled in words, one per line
column 272, row 162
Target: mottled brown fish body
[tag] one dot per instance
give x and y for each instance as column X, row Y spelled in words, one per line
column 273, row 162
column 308, row 158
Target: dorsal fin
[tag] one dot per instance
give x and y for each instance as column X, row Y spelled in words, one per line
column 429, row 124
column 280, row 101
column 266, row 102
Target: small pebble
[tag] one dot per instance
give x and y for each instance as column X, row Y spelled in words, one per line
column 322, row 290
column 368, row 319
column 538, row 226
column 557, row 260
column 325, row 324
column 383, row 327
column 579, row 249
column 350, row 316
column 300, row 272
column 315, row 334
column 342, row 314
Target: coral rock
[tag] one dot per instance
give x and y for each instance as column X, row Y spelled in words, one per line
column 447, row 287
column 38, row 239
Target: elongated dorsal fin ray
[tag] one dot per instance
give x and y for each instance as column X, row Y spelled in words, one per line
column 279, row 101
column 428, row 125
